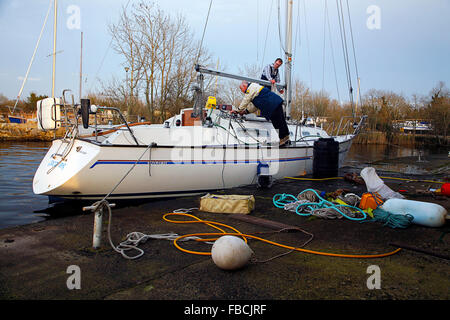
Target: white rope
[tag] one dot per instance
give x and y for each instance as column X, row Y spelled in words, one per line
column 134, row 239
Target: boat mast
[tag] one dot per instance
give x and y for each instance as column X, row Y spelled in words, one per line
column 54, row 47
column 32, row 58
column 81, row 63
column 288, row 58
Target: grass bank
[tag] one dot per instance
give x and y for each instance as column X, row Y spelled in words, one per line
column 401, row 139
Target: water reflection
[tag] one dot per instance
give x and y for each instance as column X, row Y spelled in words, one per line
column 18, row 162
column 398, row 159
column 364, row 154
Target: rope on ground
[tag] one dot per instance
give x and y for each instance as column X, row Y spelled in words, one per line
column 309, row 202
column 392, row 220
column 134, row 239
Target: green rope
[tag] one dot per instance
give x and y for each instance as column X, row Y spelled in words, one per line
column 392, row 220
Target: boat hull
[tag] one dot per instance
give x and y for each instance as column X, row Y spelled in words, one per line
column 15, row 119
column 80, row 169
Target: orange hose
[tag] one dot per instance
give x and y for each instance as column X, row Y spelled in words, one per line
column 244, row 236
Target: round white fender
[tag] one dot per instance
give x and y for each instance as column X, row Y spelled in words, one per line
column 230, row 253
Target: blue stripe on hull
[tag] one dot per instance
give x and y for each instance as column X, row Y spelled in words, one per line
column 99, row 162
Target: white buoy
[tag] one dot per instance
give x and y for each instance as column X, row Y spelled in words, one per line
column 230, row 253
column 424, row 213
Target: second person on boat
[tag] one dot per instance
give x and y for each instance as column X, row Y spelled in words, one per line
column 270, row 104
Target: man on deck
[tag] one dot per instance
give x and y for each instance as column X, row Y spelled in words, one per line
column 271, row 73
column 270, row 104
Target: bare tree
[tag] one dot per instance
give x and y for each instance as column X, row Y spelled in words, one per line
column 300, row 93
column 126, row 42
column 438, row 110
column 161, row 51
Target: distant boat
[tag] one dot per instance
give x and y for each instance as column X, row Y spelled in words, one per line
column 17, row 119
column 14, row 117
column 413, row 126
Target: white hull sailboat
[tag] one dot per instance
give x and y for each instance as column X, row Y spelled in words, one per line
column 178, row 157
column 170, row 160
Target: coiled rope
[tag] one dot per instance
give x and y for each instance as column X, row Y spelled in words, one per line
column 305, row 205
column 392, row 220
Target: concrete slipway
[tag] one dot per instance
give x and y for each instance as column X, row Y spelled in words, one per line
column 34, row 259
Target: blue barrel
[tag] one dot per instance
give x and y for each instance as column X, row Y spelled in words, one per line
column 325, row 158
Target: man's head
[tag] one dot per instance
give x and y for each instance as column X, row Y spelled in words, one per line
column 243, row 86
column 277, row 63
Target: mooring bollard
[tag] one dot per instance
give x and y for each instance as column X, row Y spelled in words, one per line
column 98, row 222
column 97, row 236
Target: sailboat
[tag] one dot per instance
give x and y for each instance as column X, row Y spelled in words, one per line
column 15, row 117
column 199, row 150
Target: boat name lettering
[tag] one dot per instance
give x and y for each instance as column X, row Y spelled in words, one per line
column 54, row 163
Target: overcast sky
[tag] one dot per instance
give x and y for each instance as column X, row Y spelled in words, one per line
column 402, row 45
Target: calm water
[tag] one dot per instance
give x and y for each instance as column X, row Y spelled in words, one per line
column 360, row 154
column 19, row 160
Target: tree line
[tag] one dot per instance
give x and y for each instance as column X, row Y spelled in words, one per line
column 160, row 51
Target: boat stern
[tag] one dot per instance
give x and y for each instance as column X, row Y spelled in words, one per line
column 63, row 161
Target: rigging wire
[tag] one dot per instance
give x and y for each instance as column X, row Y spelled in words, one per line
column 204, row 31
column 32, row 57
column 353, row 43
column 279, row 30
column 267, row 33
column 307, row 43
column 354, row 51
column 257, row 31
column 324, row 45
column 332, row 54
column 104, row 56
column 297, row 34
column 345, row 49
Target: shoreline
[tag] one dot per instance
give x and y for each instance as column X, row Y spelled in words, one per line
column 27, row 132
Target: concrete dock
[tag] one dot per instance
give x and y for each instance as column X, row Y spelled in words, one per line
column 40, row 261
